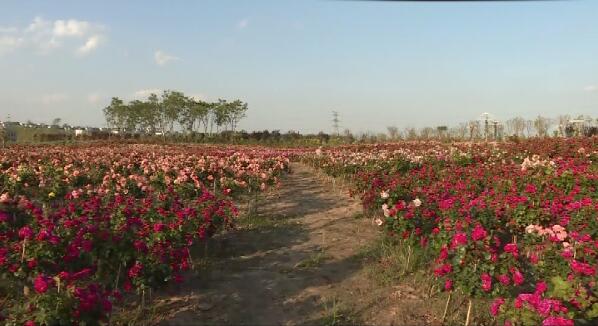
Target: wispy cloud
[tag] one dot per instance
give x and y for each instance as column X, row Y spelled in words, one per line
column 54, row 98
column 45, row 35
column 243, row 23
column 591, row 88
column 92, row 43
column 163, row 58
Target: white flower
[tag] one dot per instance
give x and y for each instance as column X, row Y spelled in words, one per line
column 386, row 210
column 384, row 194
column 417, row 202
column 378, row 221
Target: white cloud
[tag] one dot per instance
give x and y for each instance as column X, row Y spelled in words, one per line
column 163, row 58
column 9, row 43
column 54, row 98
column 591, row 88
column 243, row 23
column 71, row 27
column 143, row 94
column 92, row 43
column 46, row 35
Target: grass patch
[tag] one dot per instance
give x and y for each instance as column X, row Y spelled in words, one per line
column 313, row 260
column 389, row 260
column 336, row 313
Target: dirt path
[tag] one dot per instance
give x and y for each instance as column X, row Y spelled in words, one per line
column 300, row 262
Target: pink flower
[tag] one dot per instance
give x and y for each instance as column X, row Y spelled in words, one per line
column 29, row 323
column 4, row 198
column 443, row 254
column 443, row 270
column 504, row 279
column 512, row 249
column 448, row 284
column 486, row 282
column 495, row 307
column 517, row 277
column 582, row 268
column 541, row 287
column 557, row 321
column 478, row 233
column 158, row 227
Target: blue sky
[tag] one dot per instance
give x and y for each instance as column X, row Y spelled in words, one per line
column 376, row 63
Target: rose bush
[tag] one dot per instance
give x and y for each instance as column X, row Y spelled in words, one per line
column 82, row 226
column 513, row 222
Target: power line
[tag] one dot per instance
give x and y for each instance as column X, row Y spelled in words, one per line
column 335, row 122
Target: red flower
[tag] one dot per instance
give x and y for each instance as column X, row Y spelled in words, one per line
column 25, row 233
column 41, row 284
column 458, row 240
column 530, row 188
column 478, row 233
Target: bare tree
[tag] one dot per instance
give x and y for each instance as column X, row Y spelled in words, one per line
column 516, row 126
column 410, row 133
column 474, row 129
column 562, row 122
column 427, row 132
column 542, row 124
column 392, row 132
column 529, row 127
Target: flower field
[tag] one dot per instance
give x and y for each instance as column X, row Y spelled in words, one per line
column 514, row 224
column 80, row 227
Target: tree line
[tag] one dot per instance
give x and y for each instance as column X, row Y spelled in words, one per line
column 171, row 110
column 518, row 127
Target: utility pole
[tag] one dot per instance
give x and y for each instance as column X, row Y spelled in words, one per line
column 335, row 122
column 495, row 123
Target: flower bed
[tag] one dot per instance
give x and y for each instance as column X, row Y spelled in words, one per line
column 515, row 223
column 81, row 226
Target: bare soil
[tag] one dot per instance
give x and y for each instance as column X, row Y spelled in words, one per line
column 301, row 260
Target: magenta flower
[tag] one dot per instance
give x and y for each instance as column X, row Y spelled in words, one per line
column 557, row 321
column 496, row 304
column 530, row 188
column 4, row 217
column 517, row 277
column 41, row 284
column 459, row 239
column 512, row 249
column 504, row 279
column 25, row 233
column 478, row 233
column 486, row 282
